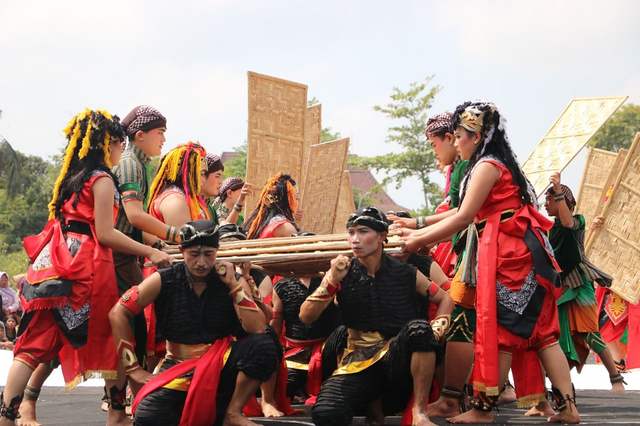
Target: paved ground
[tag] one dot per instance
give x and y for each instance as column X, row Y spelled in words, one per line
column 597, row 407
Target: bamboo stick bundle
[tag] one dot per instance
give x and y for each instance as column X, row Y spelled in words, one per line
column 297, row 256
column 311, row 264
column 285, row 244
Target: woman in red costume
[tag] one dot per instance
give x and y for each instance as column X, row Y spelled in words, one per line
column 175, row 197
column 509, row 260
column 274, row 214
column 67, row 300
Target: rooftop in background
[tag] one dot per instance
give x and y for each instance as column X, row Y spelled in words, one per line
column 361, row 179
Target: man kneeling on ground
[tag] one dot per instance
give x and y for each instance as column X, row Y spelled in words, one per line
column 207, row 377
column 390, row 351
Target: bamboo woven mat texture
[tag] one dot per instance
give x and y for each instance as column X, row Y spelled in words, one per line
column 346, row 203
column 615, row 247
column 327, row 162
column 597, row 168
column 611, row 179
column 276, row 131
column 312, row 134
column 568, row 135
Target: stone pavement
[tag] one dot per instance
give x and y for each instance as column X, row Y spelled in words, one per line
column 597, row 407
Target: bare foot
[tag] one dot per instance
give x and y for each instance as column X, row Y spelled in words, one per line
column 617, row 387
column 507, row 396
column 569, row 415
column 472, row 416
column 542, row 409
column 444, row 407
column 269, row 409
column 27, row 413
column 233, row 418
column 420, row 417
column 105, row 407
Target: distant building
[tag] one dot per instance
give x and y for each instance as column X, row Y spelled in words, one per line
column 361, row 180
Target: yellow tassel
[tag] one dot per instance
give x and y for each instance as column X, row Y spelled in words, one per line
column 86, row 141
column 68, row 155
column 73, row 131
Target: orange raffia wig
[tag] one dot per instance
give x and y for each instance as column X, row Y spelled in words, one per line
column 181, row 167
column 278, row 196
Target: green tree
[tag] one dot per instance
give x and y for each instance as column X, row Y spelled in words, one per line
column 618, row 132
column 371, row 197
column 326, row 135
column 237, row 166
column 28, row 212
column 417, row 158
column 10, row 168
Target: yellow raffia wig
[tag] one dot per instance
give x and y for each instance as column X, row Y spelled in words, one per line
column 181, row 167
column 87, row 131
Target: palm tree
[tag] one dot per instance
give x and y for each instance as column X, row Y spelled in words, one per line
column 10, row 166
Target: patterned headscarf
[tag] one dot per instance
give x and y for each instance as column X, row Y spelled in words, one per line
column 214, row 163
column 568, row 196
column 229, row 184
column 372, row 217
column 143, row 117
column 438, row 122
column 201, row 233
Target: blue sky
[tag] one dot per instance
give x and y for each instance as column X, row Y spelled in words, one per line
column 190, row 58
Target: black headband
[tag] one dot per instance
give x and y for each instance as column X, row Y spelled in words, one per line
column 203, row 232
column 372, row 217
column 231, row 230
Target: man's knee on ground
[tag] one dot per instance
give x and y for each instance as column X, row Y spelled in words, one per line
column 330, row 412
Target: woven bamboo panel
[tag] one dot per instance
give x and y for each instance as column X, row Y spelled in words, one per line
column 346, row 204
column 312, row 134
column 276, row 131
column 608, row 186
column 321, row 189
column 597, row 169
column 615, row 247
column 569, row 134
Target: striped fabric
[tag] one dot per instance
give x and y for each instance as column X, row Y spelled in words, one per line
column 585, row 272
column 132, row 176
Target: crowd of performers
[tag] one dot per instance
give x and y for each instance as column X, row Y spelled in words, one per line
column 486, row 285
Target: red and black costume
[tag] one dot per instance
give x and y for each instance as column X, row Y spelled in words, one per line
column 69, row 290
column 517, row 288
column 194, row 326
column 383, row 329
column 304, row 342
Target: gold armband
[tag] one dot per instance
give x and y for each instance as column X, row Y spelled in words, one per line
column 325, row 291
column 242, row 299
column 255, row 293
column 440, row 325
column 127, row 356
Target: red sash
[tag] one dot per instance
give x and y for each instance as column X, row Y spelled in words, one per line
column 314, row 375
column 200, row 406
